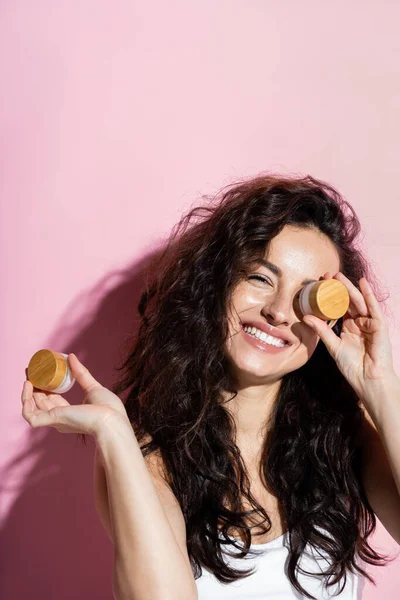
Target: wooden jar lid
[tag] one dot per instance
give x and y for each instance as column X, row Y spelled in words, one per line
column 47, row 369
column 328, row 299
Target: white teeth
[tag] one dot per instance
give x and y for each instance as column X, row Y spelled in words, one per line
column 264, row 337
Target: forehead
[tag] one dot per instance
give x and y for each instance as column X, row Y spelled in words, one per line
column 306, row 252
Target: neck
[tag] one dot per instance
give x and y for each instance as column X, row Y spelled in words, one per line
column 251, row 410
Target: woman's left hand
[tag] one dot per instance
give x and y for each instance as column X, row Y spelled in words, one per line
column 363, row 352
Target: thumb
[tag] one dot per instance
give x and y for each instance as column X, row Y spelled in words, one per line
column 82, row 374
column 322, row 329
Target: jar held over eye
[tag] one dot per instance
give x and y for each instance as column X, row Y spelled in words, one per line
column 327, row 299
column 49, row 371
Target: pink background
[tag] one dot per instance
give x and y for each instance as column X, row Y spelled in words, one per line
column 115, row 117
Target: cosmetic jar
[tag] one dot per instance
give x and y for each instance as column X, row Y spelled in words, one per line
column 49, row 371
column 326, row 299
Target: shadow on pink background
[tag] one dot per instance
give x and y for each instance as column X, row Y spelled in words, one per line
column 53, row 545
column 114, row 119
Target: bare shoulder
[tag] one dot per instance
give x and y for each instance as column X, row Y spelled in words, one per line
column 156, row 466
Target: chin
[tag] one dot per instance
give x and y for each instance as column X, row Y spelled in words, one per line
column 255, row 373
column 250, row 378
column 264, row 371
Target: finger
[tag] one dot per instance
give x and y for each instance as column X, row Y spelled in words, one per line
column 56, row 400
column 358, row 304
column 373, row 306
column 24, row 392
column 40, row 399
column 322, row 329
column 82, row 374
column 38, row 396
column 28, row 402
column 33, row 415
column 48, row 400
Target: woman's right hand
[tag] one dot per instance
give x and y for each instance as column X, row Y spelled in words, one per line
column 47, row 409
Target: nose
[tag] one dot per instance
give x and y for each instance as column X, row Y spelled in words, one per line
column 283, row 309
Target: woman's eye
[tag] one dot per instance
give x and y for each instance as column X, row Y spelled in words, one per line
column 260, row 278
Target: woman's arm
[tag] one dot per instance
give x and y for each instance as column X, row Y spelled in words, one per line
column 149, row 563
column 101, row 494
column 381, row 453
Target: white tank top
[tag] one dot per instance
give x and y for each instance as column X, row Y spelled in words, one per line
column 269, row 581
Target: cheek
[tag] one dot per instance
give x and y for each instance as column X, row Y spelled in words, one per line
column 309, row 342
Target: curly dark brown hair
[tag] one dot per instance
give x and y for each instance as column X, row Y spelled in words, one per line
column 176, row 371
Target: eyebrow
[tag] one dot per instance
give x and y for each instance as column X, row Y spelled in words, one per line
column 277, row 270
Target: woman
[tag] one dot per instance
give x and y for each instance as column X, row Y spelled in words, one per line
column 247, row 442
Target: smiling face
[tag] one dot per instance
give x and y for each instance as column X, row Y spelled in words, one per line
column 269, row 297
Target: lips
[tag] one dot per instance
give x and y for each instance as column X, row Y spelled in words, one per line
column 269, row 330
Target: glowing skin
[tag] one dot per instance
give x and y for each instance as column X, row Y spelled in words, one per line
column 300, row 254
